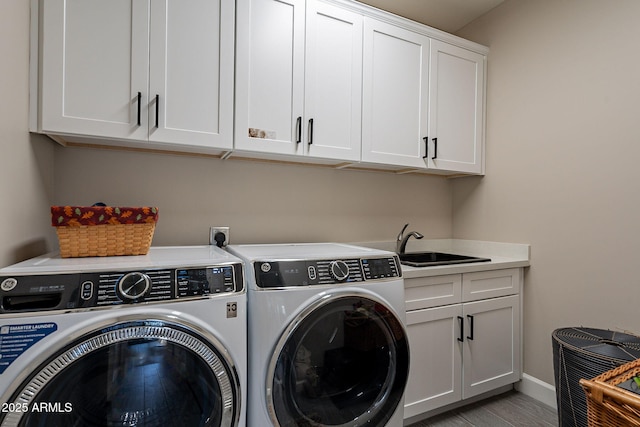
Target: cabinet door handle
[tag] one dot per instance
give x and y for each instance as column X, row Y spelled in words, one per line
column 139, row 106
column 426, row 147
column 470, row 336
column 435, row 149
column 310, row 131
column 461, row 322
column 299, row 130
column 157, row 110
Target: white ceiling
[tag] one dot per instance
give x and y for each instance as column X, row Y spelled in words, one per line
column 446, row 15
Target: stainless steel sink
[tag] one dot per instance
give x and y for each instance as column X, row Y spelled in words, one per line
column 427, row 259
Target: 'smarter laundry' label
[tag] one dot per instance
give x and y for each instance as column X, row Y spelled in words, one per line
column 16, row 339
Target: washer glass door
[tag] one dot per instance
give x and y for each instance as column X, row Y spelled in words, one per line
column 137, row 373
column 342, row 362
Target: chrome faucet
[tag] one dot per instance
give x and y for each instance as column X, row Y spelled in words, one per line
column 401, row 241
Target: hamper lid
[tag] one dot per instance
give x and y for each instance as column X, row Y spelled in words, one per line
column 75, row 216
column 607, row 344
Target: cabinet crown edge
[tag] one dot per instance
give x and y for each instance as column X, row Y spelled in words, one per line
column 411, row 25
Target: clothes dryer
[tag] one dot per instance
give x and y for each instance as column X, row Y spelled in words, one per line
column 327, row 345
column 153, row 340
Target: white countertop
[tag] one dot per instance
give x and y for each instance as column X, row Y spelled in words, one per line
column 158, row 257
column 502, row 255
column 296, row 251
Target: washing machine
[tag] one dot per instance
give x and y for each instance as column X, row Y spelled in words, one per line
column 153, row 340
column 327, row 345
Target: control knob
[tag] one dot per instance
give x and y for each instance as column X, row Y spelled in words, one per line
column 135, row 285
column 339, row 270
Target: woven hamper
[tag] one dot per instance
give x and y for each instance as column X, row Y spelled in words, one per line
column 609, row 405
column 86, row 231
column 586, row 353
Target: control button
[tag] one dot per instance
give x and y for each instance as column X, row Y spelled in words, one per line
column 339, row 270
column 8, row 284
column 87, row 290
column 312, row 272
column 134, row 285
column 265, row 267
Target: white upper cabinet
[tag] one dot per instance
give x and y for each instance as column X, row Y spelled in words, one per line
column 324, row 81
column 137, row 70
column 456, row 109
column 298, row 79
column 269, row 75
column 395, row 95
column 191, row 72
column 94, row 61
column 333, row 82
column 423, row 101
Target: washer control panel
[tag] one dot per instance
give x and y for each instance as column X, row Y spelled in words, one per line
column 287, row 273
column 30, row 293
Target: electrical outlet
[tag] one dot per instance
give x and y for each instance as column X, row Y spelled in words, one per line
column 215, row 230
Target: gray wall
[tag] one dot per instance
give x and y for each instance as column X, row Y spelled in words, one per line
column 26, row 162
column 563, row 145
column 261, row 202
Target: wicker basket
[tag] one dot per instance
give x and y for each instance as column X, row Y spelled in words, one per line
column 609, row 405
column 103, row 231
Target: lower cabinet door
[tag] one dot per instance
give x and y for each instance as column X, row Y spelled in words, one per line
column 491, row 344
column 435, row 373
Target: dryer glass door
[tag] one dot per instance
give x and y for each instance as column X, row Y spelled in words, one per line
column 139, row 373
column 343, row 362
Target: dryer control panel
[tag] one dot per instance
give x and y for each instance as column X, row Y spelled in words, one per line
column 40, row 292
column 287, row 273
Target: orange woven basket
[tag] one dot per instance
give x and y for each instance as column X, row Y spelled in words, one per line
column 86, row 231
column 609, row 405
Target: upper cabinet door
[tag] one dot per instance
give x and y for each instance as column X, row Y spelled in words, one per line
column 395, row 95
column 456, row 106
column 94, row 64
column 191, row 72
column 333, row 82
column 270, row 75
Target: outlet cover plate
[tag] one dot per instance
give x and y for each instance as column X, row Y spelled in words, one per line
column 214, row 230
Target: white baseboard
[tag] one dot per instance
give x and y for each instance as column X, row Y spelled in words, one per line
column 537, row 389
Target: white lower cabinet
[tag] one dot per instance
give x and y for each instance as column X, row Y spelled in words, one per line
column 435, row 377
column 491, row 344
column 463, row 349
